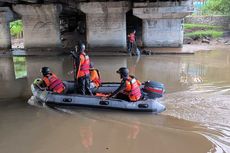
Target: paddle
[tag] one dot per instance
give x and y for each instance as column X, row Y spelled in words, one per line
column 76, row 64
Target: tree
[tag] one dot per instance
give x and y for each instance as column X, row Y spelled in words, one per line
column 217, row 7
column 16, row 28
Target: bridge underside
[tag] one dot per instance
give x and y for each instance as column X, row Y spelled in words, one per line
column 101, row 24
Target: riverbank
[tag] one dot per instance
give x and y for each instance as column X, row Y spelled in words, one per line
column 189, row 48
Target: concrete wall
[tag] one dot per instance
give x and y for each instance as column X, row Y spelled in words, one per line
column 210, row 20
column 41, row 25
column 7, row 68
column 162, row 22
column 162, row 33
column 12, row 87
column 106, row 30
column 5, row 17
column 106, row 24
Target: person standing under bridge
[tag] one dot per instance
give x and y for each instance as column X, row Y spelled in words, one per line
column 131, row 41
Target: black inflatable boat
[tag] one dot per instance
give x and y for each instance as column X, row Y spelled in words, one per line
column 149, row 103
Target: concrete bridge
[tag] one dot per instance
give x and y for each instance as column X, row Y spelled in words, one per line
column 101, row 24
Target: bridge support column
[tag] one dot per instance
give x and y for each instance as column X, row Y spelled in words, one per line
column 106, row 24
column 40, row 24
column 162, row 22
column 6, row 16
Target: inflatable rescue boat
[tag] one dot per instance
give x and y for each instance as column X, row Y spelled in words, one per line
column 151, row 91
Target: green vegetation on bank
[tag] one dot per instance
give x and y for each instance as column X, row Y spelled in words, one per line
column 201, row 26
column 195, row 31
column 16, row 28
column 202, row 34
column 216, row 7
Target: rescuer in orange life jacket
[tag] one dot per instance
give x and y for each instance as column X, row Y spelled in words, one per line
column 95, row 79
column 51, row 81
column 82, row 66
column 129, row 88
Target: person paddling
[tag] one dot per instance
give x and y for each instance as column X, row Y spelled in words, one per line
column 129, row 88
column 51, row 81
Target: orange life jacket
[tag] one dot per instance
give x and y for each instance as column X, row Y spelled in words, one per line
column 53, row 83
column 95, row 77
column 133, row 89
column 84, row 65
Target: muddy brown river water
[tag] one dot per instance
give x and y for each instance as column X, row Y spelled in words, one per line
column 197, row 119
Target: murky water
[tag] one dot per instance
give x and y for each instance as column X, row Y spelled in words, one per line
column 197, row 98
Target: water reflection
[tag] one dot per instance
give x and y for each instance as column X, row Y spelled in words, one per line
column 178, row 73
column 10, row 86
column 191, row 75
column 86, row 134
column 134, row 130
column 6, row 69
column 20, row 69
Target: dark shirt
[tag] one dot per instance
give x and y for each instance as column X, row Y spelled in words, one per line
column 120, row 88
column 76, row 63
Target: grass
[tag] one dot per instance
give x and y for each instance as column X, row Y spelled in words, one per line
column 206, row 33
column 201, row 26
column 196, row 31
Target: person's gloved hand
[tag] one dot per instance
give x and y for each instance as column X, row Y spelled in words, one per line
column 106, row 97
column 72, row 52
column 70, row 72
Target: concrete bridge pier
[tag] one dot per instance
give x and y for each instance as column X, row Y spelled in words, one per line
column 41, row 24
column 6, row 16
column 106, row 24
column 162, row 22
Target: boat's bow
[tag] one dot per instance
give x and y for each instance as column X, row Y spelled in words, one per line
column 38, row 93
